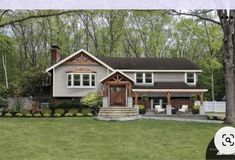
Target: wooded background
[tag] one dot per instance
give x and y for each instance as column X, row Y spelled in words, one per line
column 26, row 37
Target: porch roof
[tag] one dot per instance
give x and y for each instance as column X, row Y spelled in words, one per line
column 169, row 86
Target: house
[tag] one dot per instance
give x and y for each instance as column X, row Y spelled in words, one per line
column 124, row 81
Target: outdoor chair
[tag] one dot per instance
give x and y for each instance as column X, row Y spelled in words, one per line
column 159, row 109
column 184, row 109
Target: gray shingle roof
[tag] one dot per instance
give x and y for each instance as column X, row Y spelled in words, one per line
column 149, row 63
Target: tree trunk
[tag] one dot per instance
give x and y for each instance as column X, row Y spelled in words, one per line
column 228, row 29
column 4, row 64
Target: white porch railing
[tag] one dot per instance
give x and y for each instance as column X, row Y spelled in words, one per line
column 214, row 106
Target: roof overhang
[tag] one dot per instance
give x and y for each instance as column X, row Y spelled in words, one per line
column 165, row 70
column 171, row 90
column 76, row 53
column 114, row 72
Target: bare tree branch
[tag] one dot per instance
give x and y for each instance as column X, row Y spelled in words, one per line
column 37, row 16
column 4, row 12
column 174, row 12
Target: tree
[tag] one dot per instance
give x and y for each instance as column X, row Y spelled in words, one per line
column 228, row 26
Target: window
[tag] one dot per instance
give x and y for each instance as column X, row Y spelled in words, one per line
column 139, row 78
column 69, row 80
column 190, row 78
column 144, row 78
column 92, row 80
column 148, row 78
column 86, row 80
column 80, row 80
column 76, row 80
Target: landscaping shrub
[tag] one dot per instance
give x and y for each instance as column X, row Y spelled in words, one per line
column 37, row 115
column 66, row 105
column 57, row 115
column 8, row 115
column 85, row 111
column 46, row 111
column 142, row 109
column 59, row 111
column 25, row 111
column 195, row 109
column 46, row 115
column 74, row 111
column 79, row 115
column 18, row 114
column 89, row 115
column 28, row 115
column 93, row 100
column 68, row 114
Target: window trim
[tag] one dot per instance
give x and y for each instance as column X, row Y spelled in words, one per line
column 81, row 80
column 194, row 78
column 144, row 78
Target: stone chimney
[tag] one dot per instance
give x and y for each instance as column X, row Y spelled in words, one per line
column 55, row 54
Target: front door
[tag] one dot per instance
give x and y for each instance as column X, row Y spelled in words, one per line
column 118, row 95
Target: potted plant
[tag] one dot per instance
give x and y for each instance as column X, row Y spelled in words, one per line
column 195, row 109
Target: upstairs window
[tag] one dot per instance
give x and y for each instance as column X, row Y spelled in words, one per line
column 144, row 78
column 190, row 78
column 81, row 80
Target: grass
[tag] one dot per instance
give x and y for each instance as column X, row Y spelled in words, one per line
column 87, row 139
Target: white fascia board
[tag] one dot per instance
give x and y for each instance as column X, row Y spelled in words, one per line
column 116, row 71
column 170, row 90
column 127, row 70
column 76, row 53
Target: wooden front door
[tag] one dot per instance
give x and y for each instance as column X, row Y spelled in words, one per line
column 118, row 95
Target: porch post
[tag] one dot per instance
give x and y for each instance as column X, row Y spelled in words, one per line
column 202, row 111
column 168, row 106
column 136, row 98
column 151, row 102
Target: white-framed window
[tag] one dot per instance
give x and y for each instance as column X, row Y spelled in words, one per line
column 144, row 78
column 81, row 80
column 190, row 78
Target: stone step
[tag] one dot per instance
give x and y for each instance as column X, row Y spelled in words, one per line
column 116, row 112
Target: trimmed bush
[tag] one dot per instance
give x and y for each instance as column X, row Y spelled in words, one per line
column 68, row 114
column 18, row 114
column 59, row 111
column 8, row 115
column 25, row 111
column 89, row 115
column 142, row 109
column 37, row 115
column 28, row 115
column 74, row 111
column 57, row 115
column 92, row 100
column 85, row 111
column 79, row 115
column 196, row 109
column 46, row 115
column 46, row 111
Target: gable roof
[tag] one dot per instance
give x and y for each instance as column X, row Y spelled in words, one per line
column 117, row 71
column 129, row 63
column 76, row 53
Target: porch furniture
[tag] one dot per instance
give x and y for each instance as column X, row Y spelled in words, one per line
column 159, row 109
column 184, row 109
column 173, row 110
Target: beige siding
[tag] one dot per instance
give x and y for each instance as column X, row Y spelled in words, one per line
column 163, row 77
column 60, row 88
column 169, row 77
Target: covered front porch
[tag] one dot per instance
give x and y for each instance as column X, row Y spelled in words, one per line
column 170, row 99
column 117, row 90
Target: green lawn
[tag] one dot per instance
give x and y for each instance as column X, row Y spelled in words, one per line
column 85, row 138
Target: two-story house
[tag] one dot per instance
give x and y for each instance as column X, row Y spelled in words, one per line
column 125, row 81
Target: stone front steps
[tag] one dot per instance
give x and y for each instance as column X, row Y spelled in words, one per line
column 116, row 113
